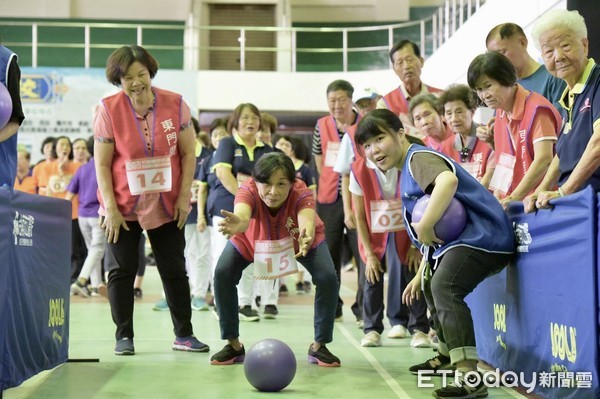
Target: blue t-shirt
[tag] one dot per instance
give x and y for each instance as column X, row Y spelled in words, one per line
column 578, row 123
column 542, row 82
column 234, row 153
column 204, row 154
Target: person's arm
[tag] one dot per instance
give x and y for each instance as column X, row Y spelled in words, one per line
column 306, row 224
column 444, row 187
column 412, row 292
column 9, row 130
column 202, row 196
column 349, row 219
column 113, row 221
column 227, row 178
column 235, row 222
column 373, row 269
column 550, row 180
column 186, row 145
column 587, row 165
column 542, row 160
column 69, row 196
column 13, row 85
column 318, row 160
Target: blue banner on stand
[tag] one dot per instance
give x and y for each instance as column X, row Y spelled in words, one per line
column 35, row 278
column 549, row 313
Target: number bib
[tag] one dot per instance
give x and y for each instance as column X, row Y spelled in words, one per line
column 331, row 154
column 472, row 168
column 386, row 216
column 274, row 259
column 503, row 174
column 149, row 175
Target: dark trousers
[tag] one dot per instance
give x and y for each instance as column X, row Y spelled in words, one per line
column 168, row 243
column 414, row 317
column 318, row 263
column 332, row 216
column 459, row 271
column 78, row 250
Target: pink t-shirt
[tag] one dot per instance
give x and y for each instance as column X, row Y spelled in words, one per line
column 149, row 211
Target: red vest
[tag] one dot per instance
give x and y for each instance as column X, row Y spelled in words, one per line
column 130, row 144
column 327, row 190
column 397, row 103
column 481, row 152
column 524, row 143
column 369, row 183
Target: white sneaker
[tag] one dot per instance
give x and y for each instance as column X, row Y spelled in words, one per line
column 419, row 340
column 371, row 339
column 398, row 331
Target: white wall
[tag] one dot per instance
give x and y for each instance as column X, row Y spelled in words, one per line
column 449, row 64
column 349, row 10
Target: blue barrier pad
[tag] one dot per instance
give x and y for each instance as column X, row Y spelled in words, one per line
column 34, row 284
column 548, row 314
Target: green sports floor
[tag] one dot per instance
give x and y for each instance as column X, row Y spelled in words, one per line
column 156, row 371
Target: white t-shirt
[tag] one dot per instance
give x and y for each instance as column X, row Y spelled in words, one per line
column 387, row 180
column 345, row 156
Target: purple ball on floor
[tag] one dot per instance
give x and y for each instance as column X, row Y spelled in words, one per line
column 270, row 365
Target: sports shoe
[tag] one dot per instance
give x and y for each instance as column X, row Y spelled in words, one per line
column 307, row 286
column 161, row 305
column 435, row 364
column 419, row 340
column 138, row 293
column 270, row 311
column 299, row 288
column 283, row 291
column 398, row 331
column 371, row 339
column 78, row 288
column 189, row 344
column 461, row 389
column 360, row 324
column 228, row 355
column 124, row 347
column 198, row 303
column 323, row 357
column 94, row 292
column 246, row 313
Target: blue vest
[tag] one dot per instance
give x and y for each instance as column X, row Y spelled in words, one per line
column 8, row 148
column 488, row 227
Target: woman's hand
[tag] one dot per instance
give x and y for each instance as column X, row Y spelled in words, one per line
column 111, row 224
column 304, row 243
column 413, row 259
column 182, row 210
column 540, row 200
column 230, row 225
column 201, row 224
column 426, row 234
column 373, row 269
column 412, row 292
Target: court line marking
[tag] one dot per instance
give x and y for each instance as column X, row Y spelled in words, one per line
column 389, row 380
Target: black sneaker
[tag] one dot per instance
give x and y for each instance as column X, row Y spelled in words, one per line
column 270, row 311
column 299, row 288
column 283, row 291
column 323, row 357
column 228, row 355
column 307, row 286
column 461, row 389
column 433, row 365
column 246, row 313
column 339, row 314
column 124, row 347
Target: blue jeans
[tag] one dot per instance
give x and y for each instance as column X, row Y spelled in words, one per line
column 318, row 263
column 414, row 317
column 459, row 271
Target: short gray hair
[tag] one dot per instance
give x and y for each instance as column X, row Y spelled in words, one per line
column 570, row 20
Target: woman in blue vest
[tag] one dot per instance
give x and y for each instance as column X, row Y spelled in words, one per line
column 450, row 270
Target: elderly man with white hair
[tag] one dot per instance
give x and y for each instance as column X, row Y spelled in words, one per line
column 561, row 36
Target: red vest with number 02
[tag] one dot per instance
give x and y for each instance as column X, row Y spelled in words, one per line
column 369, row 183
column 130, row 145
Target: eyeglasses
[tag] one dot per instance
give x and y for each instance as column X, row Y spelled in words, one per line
column 465, row 154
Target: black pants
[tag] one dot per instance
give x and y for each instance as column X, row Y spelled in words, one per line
column 168, row 243
column 78, row 250
column 332, row 216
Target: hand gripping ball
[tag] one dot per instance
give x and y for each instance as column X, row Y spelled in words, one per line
column 270, row 365
column 451, row 224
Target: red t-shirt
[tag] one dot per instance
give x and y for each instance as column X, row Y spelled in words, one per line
column 264, row 226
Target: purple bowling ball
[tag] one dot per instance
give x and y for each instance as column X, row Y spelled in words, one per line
column 451, row 224
column 270, row 365
column 6, row 106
